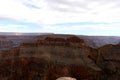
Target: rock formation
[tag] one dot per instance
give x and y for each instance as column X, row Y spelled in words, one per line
column 53, row 57
column 109, row 61
column 66, row 78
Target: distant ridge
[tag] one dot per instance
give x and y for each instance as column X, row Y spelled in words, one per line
column 20, row 33
column 92, row 41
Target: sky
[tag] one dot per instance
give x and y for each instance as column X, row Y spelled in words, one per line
column 81, row 17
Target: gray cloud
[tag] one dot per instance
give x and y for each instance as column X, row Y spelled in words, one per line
column 67, row 6
column 6, row 18
column 31, row 3
column 74, row 6
column 80, row 5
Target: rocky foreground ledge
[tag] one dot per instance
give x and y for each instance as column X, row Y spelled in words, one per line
column 53, row 57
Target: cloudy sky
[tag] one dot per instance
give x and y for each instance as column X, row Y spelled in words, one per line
column 83, row 17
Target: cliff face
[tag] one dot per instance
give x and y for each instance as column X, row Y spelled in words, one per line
column 109, row 61
column 52, row 57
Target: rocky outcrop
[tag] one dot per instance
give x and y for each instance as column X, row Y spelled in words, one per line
column 66, row 78
column 109, row 61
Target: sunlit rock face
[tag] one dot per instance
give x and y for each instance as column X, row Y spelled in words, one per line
column 66, row 78
column 59, row 58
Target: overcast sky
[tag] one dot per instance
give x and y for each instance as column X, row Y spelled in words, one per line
column 83, row 17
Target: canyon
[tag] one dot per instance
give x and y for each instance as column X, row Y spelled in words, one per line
column 51, row 56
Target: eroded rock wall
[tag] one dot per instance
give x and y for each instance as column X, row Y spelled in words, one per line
column 54, row 57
